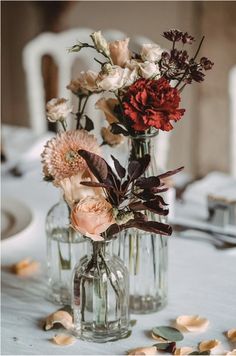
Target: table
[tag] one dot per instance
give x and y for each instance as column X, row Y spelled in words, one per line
column 201, row 281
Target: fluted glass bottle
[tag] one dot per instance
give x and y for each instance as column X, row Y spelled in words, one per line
column 64, row 248
column 145, row 254
column 101, row 295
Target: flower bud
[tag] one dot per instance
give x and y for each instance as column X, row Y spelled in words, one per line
column 100, row 43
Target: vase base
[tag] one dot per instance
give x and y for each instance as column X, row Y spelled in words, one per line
column 101, row 337
column 59, row 296
column 146, row 304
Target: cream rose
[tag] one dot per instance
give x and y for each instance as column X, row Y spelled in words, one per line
column 119, row 52
column 107, row 106
column 144, row 69
column 58, row 109
column 115, row 78
column 87, row 80
column 151, row 52
column 92, row 216
column 100, row 43
column 74, row 191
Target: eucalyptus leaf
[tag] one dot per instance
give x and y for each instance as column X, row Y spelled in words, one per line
column 207, row 352
column 168, row 333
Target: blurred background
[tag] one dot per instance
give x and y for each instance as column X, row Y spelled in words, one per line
column 204, row 140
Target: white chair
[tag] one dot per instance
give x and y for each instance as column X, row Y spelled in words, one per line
column 56, row 44
column 232, row 94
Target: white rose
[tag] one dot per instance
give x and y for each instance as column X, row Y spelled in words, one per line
column 100, row 43
column 144, row 69
column 115, row 78
column 151, row 52
column 149, row 69
column 58, row 109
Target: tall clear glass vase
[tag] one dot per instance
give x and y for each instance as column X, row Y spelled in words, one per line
column 145, row 254
column 101, row 295
column 64, row 248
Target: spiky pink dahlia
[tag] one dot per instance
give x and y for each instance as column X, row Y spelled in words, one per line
column 60, row 157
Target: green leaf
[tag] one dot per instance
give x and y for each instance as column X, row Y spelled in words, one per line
column 168, row 333
column 132, row 322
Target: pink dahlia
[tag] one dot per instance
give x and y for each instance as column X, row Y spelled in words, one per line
column 60, row 157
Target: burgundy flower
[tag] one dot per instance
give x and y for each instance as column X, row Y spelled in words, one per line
column 152, row 103
column 173, row 35
column 206, row 63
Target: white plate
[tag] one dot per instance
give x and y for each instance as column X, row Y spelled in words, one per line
column 15, row 217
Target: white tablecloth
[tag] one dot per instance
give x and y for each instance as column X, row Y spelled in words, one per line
column 201, row 281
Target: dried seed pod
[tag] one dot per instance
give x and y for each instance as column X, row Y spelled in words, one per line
column 26, row 267
column 61, row 317
column 63, row 339
column 231, row 335
column 208, row 345
column 192, row 323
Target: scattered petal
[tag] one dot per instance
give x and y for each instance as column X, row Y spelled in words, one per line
column 231, row 335
column 231, row 353
column 63, row 339
column 26, row 267
column 143, row 351
column 59, row 317
column 168, row 333
column 158, row 338
column 192, row 323
column 208, row 345
column 183, row 351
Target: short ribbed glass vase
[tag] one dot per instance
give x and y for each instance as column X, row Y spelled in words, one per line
column 65, row 247
column 101, row 295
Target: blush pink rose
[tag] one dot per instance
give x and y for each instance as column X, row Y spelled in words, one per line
column 92, row 216
column 119, row 52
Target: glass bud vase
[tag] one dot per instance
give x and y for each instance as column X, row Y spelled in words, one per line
column 64, row 248
column 145, row 254
column 101, row 295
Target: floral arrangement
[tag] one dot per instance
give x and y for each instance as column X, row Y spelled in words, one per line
column 146, row 87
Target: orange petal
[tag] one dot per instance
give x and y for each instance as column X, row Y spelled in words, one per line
column 231, row 335
column 192, row 323
column 208, row 345
column 63, row 339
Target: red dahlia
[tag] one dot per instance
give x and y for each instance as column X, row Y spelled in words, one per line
column 152, row 103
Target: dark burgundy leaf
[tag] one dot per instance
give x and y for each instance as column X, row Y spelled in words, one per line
column 154, row 227
column 136, row 206
column 88, row 124
column 117, row 129
column 137, row 167
column 119, row 169
column 155, row 208
column 170, row 173
column 96, row 164
column 159, row 190
column 145, row 195
column 149, row 182
column 97, row 185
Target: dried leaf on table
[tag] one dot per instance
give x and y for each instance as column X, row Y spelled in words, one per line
column 168, row 333
column 183, row 350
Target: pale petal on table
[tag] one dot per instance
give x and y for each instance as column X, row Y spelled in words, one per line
column 26, row 267
column 231, row 353
column 59, row 317
column 143, row 351
column 209, row 345
column 192, row 323
column 183, row 350
column 63, row 339
column 231, row 335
